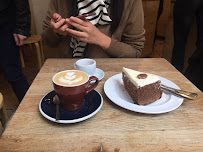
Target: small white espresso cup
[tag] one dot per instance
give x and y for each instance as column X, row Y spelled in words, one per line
column 86, row 65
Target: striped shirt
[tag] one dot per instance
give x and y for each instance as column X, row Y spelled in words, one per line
column 101, row 18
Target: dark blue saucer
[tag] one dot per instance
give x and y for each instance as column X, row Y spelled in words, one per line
column 92, row 104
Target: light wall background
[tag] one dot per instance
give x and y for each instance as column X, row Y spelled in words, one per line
column 39, row 12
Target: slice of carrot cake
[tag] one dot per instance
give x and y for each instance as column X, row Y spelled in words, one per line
column 143, row 88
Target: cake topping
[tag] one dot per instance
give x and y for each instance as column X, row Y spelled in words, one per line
column 142, row 76
column 133, row 75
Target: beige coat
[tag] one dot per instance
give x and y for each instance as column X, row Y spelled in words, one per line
column 126, row 41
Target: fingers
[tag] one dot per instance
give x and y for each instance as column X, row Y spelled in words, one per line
column 63, row 24
column 56, row 25
column 57, row 17
column 62, row 30
column 22, row 39
column 83, row 21
column 16, row 39
column 76, row 25
column 75, row 33
column 19, row 39
column 59, row 25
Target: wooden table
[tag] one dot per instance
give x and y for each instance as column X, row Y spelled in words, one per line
column 116, row 129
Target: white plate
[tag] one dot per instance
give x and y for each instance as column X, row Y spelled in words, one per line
column 115, row 91
column 99, row 74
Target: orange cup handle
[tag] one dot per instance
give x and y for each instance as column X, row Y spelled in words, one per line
column 90, row 88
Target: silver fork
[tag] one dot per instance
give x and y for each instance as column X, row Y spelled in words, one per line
column 182, row 93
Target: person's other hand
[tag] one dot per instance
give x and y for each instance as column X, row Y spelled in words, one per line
column 19, row 39
column 59, row 25
column 87, row 32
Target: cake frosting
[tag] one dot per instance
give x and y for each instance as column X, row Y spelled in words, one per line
column 133, row 76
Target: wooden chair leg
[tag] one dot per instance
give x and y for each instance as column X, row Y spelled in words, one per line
column 39, row 58
column 21, row 57
column 4, row 116
column 3, row 113
column 1, row 129
column 30, row 45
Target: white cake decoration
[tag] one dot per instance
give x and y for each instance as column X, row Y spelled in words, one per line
column 132, row 74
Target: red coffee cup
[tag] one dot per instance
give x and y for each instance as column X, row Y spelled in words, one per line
column 72, row 86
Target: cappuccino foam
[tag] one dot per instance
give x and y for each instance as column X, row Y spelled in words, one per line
column 70, row 77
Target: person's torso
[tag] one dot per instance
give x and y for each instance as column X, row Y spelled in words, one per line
column 6, row 12
column 94, row 51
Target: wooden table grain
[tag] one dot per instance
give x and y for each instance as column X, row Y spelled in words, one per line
column 116, row 129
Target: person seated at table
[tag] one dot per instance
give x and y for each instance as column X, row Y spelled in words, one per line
column 117, row 29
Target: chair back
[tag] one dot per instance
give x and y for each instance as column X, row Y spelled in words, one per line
column 35, row 41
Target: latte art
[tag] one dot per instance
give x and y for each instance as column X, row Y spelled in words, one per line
column 70, row 77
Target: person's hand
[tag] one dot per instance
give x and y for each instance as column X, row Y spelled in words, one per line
column 19, row 39
column 87, row 32
column 59, row 25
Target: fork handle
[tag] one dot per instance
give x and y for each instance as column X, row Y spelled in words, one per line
column 187, row 93
column 177, row 93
